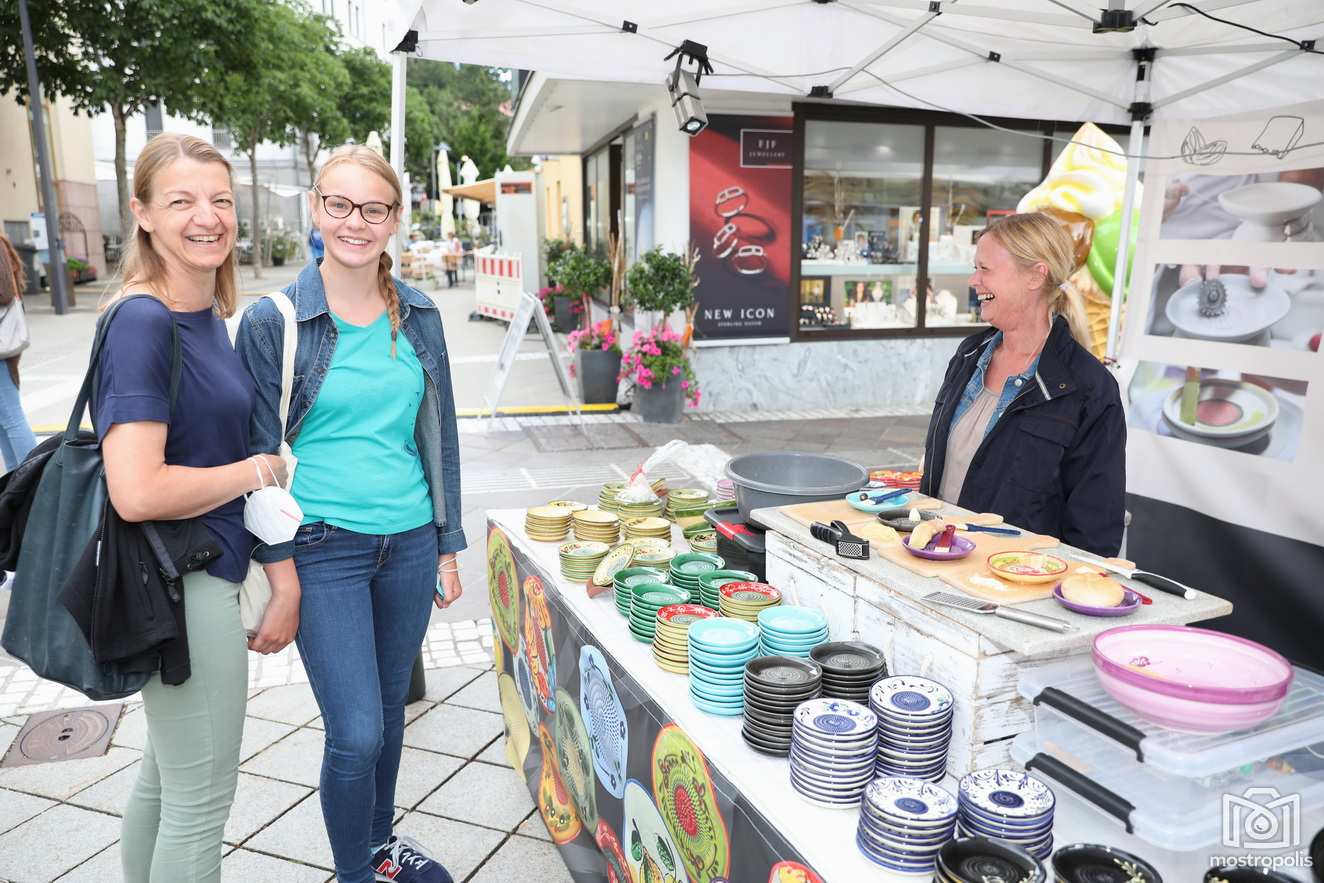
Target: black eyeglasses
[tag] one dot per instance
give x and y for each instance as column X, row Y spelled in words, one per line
column 340, row 207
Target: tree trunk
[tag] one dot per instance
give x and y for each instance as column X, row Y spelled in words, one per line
column 310, row 157
column 122, row 174
column 256, row 233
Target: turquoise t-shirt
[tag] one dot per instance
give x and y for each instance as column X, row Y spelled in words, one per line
column 358, row 464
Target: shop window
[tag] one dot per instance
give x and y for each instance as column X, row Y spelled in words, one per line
column 978, row 175
column 861, row 222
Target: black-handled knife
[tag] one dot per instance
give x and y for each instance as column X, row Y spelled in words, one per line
column 1162, row 583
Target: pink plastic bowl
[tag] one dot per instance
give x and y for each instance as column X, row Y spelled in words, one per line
column 1190, row 679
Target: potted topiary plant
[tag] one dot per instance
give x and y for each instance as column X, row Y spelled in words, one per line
column 580, row 275
column 658, row 361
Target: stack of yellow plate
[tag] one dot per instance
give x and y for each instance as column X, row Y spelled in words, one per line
column 568, row 505
column 607, row 496
column 617, row 559
column 596, row 525
column 653, row 552
column 647, row 526
column 686, row 501
column 547, row 524
column 639, row 510
column 704, row 541
column 746, row 600
column 671, row 643
column 579, row 561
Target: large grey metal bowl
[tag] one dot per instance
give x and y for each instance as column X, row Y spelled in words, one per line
column 789, row 477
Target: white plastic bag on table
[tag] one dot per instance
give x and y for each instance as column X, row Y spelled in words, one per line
column 639, row 489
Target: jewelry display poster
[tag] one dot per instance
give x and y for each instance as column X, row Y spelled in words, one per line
column 625, row 793
column 1221, row 374
column 740, row 221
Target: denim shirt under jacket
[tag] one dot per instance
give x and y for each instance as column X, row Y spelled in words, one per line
column 1013, row 386
column 259, row 343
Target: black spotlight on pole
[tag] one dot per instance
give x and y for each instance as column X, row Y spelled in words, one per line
column 683, row 86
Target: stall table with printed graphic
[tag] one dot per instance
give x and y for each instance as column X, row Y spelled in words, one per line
column 977, row 656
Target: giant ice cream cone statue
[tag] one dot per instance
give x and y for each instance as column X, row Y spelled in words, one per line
column 1084, row 191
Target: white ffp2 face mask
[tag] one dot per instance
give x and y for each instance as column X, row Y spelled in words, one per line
column 272, row 514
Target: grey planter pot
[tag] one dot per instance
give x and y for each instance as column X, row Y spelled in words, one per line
column 660, row 404
column 563, row 316
column 597, row 370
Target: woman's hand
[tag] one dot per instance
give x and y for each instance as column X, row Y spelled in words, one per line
column 272, row 465
column 279, row 623
column 448, row 578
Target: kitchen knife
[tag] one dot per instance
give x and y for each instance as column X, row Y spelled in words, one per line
column 978, row 605
column 1162, row 583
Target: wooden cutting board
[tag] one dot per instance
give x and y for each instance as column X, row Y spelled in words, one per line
column 839, row 510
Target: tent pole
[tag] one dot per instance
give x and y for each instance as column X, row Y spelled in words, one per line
column 1136, row 148
column 398, row 143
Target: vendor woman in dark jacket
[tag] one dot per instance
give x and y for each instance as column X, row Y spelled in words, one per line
column 1027, row 423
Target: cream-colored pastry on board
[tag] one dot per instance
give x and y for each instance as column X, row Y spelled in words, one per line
column 1093, row 590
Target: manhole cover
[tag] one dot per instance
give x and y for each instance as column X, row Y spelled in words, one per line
column 64, row 735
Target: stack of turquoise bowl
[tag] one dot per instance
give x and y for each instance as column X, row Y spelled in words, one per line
column 791, row 631
column 625, row 581
column 688, row 567
column 718, row 651
column 649, row 598
column 711, row 582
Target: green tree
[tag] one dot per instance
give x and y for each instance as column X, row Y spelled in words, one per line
column 125, row 56
column 323, row 124
column 366, row 102
column 467, row 99
column 273, row 91
column 421, row 135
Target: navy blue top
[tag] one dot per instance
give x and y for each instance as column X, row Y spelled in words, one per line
column 209, row 423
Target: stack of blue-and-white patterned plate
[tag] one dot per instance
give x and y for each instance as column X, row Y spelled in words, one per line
column 914, row 727
column 718, row 651
column 791, row 631
column 1008, row 805
column 904, row 824
column 832, row 751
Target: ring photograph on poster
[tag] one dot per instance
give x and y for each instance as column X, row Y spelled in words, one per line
column 1266, row 207
column 1249, row 413
column 1279, row 307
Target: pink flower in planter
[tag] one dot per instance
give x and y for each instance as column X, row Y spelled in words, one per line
column 675, row 370
column 684, row 384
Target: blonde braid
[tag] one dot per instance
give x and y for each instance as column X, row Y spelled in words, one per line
column 390, row 295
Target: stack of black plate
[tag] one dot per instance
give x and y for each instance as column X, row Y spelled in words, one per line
column 976, row 859
column 850, row 668
column 774, row 687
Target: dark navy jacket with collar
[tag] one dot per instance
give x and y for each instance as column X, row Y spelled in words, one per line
column 260, row 341
column 1055, row 462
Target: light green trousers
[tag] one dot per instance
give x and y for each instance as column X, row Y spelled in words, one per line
column 177, row 811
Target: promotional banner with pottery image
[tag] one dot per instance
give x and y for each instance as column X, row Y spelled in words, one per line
column 626, row 793
column 1286, row 206
column 1222, row 409
column 1279, row 307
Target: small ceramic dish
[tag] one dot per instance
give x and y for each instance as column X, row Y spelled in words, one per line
column 1027, row 567
column 859, row 500
column 1130, row 604
column 1087, row 863
column 961, row 547
column 978, row 858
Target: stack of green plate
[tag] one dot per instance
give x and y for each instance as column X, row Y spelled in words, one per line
column 710, row 582
column 648, row 599
column 647, row 526
column 594, row 525
column 579, row 560
column 688, row 567
column 607, row 496
column 671, row 642
column 686, row 502
column 653, row 552
column 704, row 541
column 627, row 579
column 639, row 510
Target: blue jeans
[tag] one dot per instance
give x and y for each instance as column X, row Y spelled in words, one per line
column 16, row 438
column 364, row 611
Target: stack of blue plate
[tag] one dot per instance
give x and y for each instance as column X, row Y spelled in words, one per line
column 718, row 651
column 832, row 751
column 1007, row 805
column 904, row 824
column 791, row 631
column 914, row 727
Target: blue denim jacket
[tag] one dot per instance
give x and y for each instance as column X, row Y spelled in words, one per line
column 259, row 343
column 1013, row 386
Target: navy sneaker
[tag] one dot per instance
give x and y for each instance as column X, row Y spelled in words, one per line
column 402, row 860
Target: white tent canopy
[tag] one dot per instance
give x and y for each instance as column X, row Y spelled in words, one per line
column 1138, row 61
column 1051, row 63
